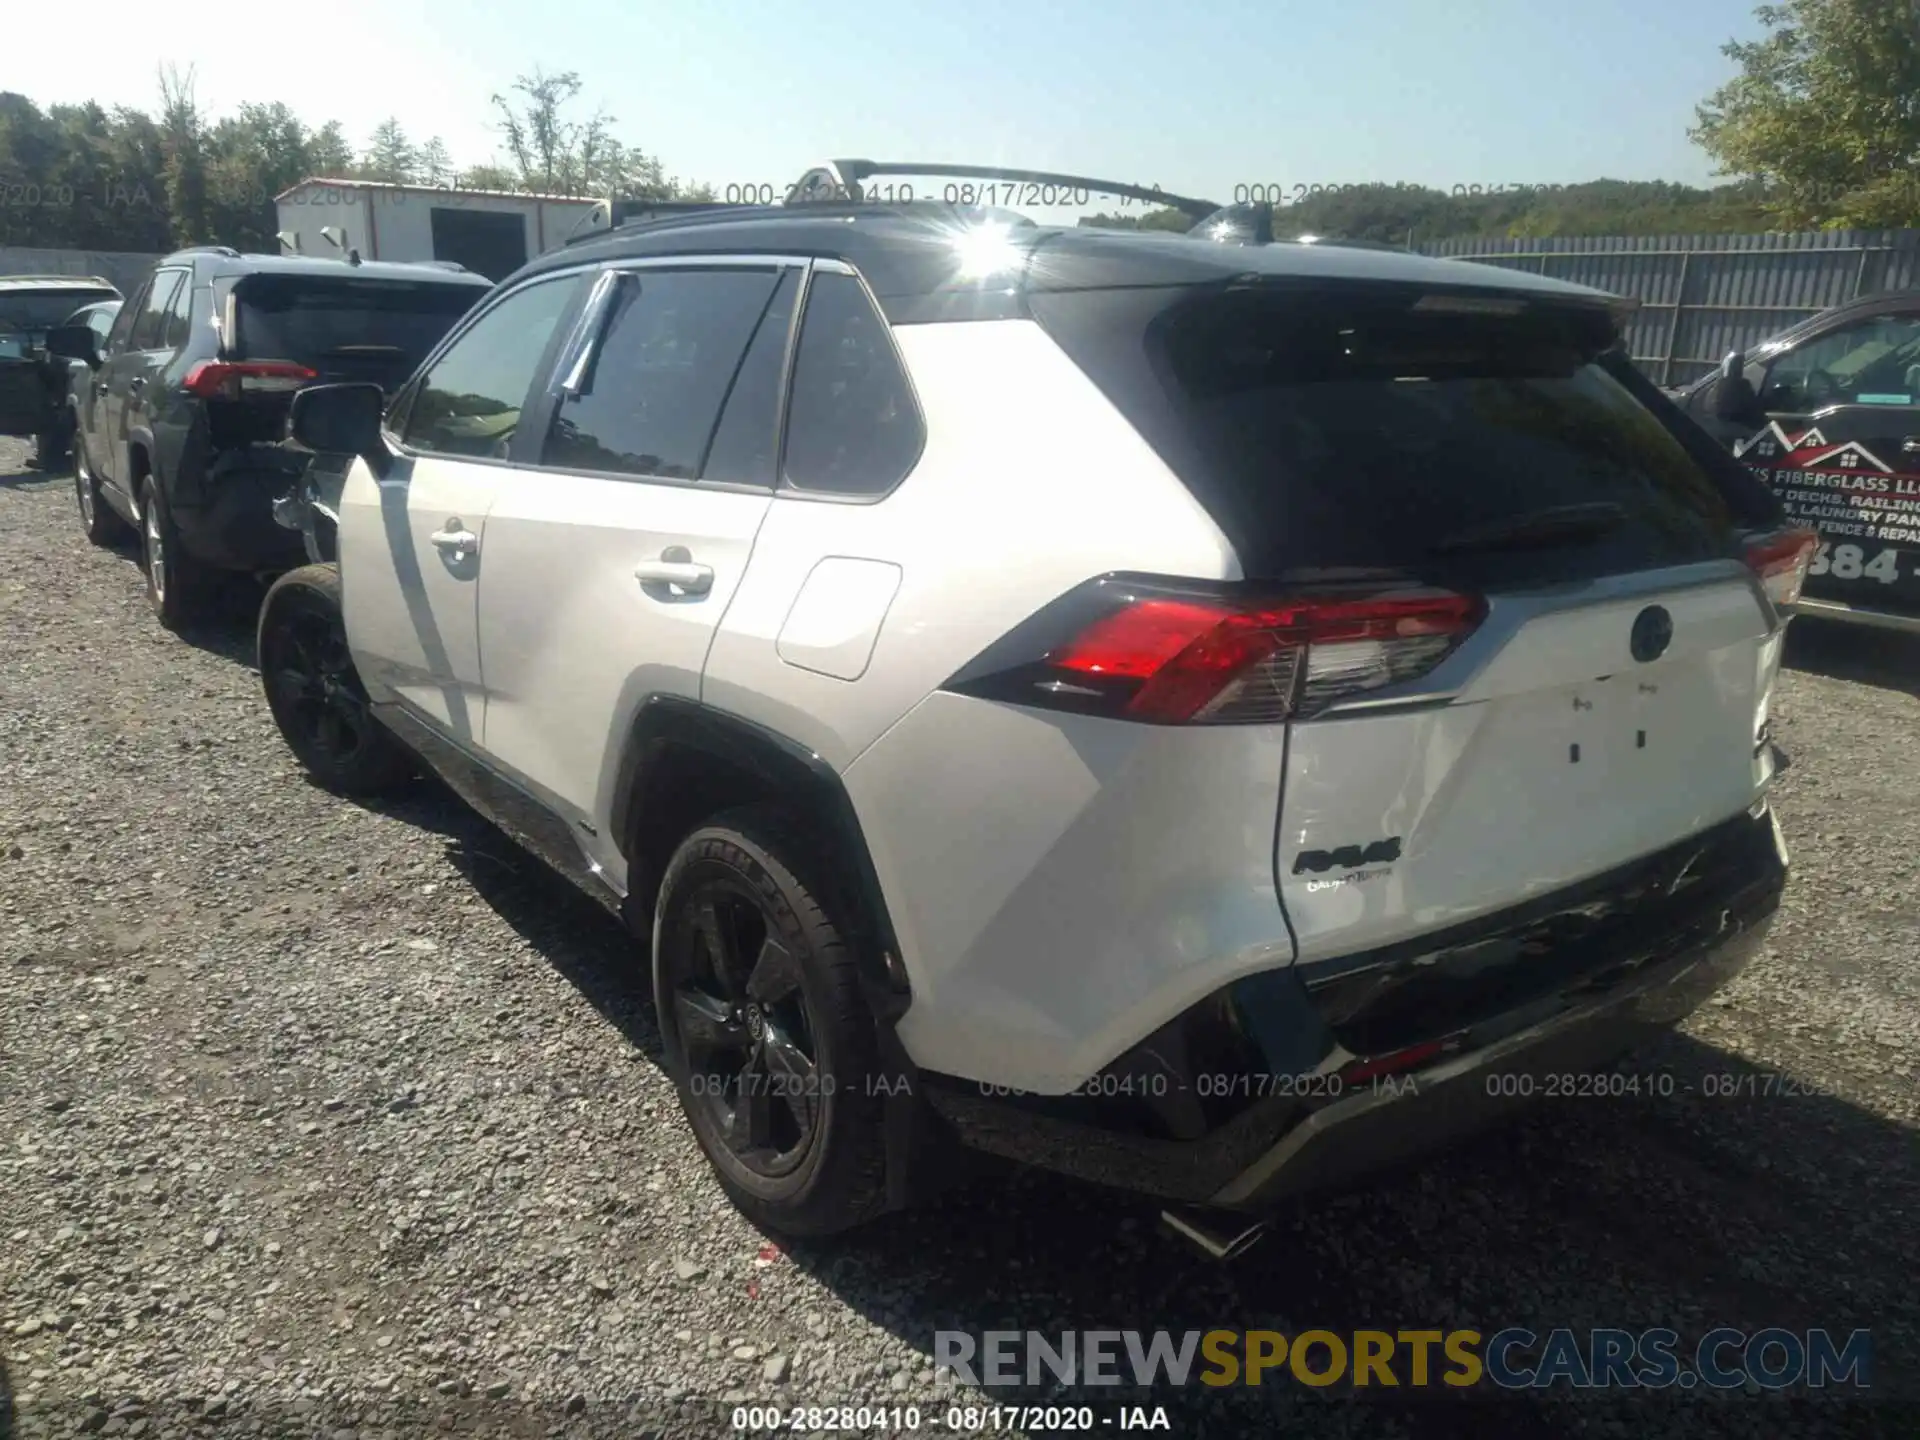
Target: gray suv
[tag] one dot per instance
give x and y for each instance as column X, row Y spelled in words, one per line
column 179, row 426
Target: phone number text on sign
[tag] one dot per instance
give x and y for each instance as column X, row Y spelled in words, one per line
column 1850, row 562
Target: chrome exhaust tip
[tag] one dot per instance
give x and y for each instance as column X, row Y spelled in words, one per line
column 1218, row 1235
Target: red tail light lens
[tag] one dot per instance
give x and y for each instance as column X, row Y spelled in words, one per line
column 1781, row 560
column 1143, row 651
column 230, row 380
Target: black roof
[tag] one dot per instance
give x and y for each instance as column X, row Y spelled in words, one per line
column 908, row 254
column 220, row 262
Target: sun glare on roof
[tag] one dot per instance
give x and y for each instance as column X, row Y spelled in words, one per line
column 985, row 251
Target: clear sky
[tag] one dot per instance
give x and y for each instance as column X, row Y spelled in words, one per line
column 1197, row 96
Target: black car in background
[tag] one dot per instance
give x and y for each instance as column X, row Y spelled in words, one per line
column 1828, row 414
column 33, row 384
column 181, row 420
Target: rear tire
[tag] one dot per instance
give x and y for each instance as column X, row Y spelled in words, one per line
column 176, row 583
column 768, row 1039
column 316, row 695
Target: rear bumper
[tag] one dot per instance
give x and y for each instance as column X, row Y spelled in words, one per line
column 225, row 515
column 1264, row 1090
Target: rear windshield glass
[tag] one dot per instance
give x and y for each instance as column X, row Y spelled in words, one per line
column 1380, row 429
column 34, row 313
column 310, row 320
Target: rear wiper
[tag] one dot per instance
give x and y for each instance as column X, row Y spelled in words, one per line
column 1561, row 525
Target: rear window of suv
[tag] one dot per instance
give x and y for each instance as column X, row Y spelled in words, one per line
column 28, row 314
column 313, row 319
column 1379, row 427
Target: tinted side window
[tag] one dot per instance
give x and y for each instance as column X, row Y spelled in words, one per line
column 179, row 317
column 150, row 325
column 129, row 312
column 668, row 354
column 1871, row 362
column 745, row 447
column 852, row 425
column 469, row 402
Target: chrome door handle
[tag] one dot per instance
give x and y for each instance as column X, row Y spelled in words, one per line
column 137, row 383
column 1912, row 445
column 455, row 539
column 692, row 578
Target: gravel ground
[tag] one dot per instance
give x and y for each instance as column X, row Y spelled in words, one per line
column 317, row 1118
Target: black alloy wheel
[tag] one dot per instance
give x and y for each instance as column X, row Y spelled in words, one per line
column 752, row 1065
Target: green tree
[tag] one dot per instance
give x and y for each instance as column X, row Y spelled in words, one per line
column 183, row 143
column 1164, row 218
column 328, row 153
column 1825, row 113
column 553, row 154
column 488, row 177
column 390, row 155
column 435, row 165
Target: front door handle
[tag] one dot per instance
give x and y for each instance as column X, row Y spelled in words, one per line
column 454, row 538
column 99, row 387
column 676, row 567
column 137, row 383
column 1911, row 445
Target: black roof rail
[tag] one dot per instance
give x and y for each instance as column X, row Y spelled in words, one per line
column 840, row 181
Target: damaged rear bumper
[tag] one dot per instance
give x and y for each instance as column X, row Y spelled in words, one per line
column 1287, row 1082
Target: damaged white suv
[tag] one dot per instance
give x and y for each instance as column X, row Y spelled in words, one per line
column 1109, row 699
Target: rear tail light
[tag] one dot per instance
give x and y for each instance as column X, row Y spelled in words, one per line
column 231, row 380
column 1781, row 559
column 1158, row 652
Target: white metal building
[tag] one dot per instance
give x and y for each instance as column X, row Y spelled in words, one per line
column 491, row 232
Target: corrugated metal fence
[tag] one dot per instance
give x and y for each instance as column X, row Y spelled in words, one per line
column 124, row 268
column 1703, row 295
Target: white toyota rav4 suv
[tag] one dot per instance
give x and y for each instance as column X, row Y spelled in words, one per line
column 1196, row 716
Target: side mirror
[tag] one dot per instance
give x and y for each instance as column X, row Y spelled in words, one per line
column 340, row 420
column 73, row 342
column 1733, row 397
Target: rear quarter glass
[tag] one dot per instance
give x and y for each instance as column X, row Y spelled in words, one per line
column 1342, row 428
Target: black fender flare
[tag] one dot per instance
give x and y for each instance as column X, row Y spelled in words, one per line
column 918, row 1159
column 666, row 723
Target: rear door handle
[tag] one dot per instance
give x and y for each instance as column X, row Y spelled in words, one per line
column 1911, row 445
column 692, row 578
column 137, row 383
